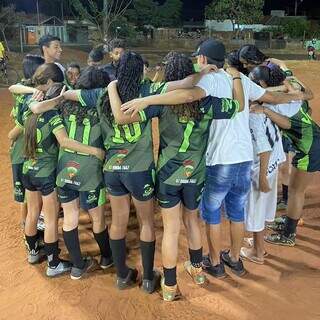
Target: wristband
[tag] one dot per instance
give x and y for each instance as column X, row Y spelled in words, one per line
column 236, row 78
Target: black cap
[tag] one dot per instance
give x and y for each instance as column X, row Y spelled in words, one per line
column 212, row 49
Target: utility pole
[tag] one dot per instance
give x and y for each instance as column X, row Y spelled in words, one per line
column 105, row 11
column 38, row 14
column 296, row 6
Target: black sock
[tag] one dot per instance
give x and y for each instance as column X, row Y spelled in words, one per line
column 285, row 193
column 196, row 257
column 102, row 239
column 52, row 252
column 71, row 240
column 32, row 242
column 291, row 226
column 119, row 254
column 170, row 276
column 147, row 254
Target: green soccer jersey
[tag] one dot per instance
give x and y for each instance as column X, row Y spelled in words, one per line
column 16, row 151
column 305, row 136
column 129, row 147
column 47, row 147
column 183, row 141
column 79, row 171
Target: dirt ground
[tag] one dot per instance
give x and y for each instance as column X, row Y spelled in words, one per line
column 286, row 287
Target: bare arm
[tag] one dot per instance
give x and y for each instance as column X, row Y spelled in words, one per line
column 115, row 102
column 280, row 120
column 264, row 164
column 46, row 105
column 171, row 98
column 67, row 143
column 72, row 95
column 15, row 133
column 21, row 89
column 192, row 80
column 237, row 91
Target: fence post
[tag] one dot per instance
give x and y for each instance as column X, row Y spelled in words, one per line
column 21, row 40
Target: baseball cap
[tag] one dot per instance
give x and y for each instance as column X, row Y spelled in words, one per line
column 212, row 49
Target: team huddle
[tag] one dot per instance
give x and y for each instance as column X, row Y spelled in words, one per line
column 83, row 137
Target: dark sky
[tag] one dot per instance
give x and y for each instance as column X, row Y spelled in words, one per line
column 194, row 9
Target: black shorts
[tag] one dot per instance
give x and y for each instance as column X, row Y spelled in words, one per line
column 188, row 194
column 44, row 185
column 139, row 184
column 88, row 199
column 19, row 190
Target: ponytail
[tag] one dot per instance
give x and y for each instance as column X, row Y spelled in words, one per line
column 30, row 137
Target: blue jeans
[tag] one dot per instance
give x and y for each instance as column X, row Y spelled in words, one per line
column 229, row 184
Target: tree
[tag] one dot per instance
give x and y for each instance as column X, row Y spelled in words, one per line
column 104, row 16
column 238, row 11
column 8, row 18
column 170, row 13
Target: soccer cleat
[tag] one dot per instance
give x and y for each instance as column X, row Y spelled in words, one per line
column 129, row 281
column 106, row 262
column 278, row 224
column 61, row 268
column 33, row 256
column 217, row 271
column 150, row 286
column 281, row 240
column 195, row 273
column 170, row 293
column 236, row 267
column 89, row 265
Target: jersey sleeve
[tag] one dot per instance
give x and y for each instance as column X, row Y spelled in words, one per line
column 258, row 131
column 220, row 108
column 255, row 91
column 151, row 112
column 54, row 120
column 90, row 98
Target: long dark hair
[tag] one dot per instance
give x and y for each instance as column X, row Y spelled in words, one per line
column 44, row 73
column 30, row 137
column 129, row 76
column 271, row 74
column 179, row 66
column 90, row 78
column 30, row 64
column 252, row 54
column 234, row 61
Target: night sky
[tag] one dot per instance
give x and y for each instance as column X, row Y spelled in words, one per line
column 194, row 9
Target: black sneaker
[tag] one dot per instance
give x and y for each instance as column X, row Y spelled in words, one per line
column 281, row 239
column 217, row 271
column 236, row 267
column 89, row 265
column 150, row 286
column 129, row 281
column 106, row 262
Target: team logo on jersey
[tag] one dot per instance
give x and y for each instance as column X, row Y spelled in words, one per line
column 121, row 155
column 188, row 167
column 148, row 189
column 72, row 169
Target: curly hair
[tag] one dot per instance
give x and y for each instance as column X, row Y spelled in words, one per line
column 178, row 67
column 271, row 74
column 129, row 76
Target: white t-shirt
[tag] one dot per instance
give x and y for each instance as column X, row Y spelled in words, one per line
column 266, row 137
column 286, row 109
column 230, row 140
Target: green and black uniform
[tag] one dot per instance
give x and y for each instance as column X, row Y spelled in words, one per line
column 16, row 151
column 305, row 136
column 129, row 164
column 80, row 175
column 183, row 143
column 39, row 174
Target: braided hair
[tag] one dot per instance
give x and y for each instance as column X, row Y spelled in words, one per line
column 234, row 61
column 129, row 76
column 179, row 66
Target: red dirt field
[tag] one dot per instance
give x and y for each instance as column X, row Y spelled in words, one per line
column 286, row 287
